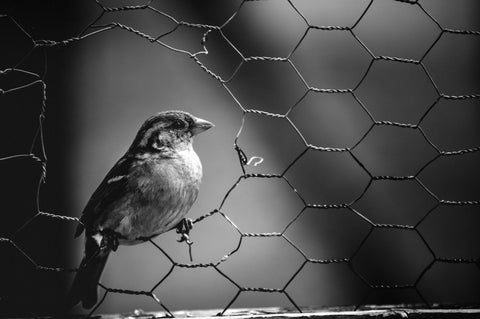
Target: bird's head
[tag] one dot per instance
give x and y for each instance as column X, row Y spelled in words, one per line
column 167, row 131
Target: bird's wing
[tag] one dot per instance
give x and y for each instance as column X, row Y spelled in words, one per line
column 113, row 187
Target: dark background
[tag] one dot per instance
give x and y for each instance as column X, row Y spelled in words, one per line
column 100, row 89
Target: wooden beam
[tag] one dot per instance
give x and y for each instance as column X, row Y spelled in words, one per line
column 325, row 313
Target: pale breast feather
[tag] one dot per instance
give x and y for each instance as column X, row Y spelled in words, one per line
column 161, row 193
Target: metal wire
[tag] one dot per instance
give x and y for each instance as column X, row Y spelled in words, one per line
column 39, row 154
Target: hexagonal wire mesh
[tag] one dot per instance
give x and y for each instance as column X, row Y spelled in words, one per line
column 385, row 196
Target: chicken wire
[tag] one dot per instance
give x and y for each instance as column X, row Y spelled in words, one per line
column 38, row 154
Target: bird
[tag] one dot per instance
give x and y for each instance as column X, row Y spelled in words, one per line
column 148, row 192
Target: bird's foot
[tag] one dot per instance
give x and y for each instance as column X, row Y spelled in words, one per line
column 183, row 228
column 109, row 240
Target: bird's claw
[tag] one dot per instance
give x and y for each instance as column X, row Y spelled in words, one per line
column 185, row 238
column 183, row 228
column 109, row 240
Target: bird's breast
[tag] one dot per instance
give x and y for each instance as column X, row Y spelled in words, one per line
column 165, row 190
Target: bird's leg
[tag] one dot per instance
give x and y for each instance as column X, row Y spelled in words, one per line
column 183, row 228
column 109, row 240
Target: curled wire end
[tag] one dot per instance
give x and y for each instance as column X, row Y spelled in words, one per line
column 258, row 160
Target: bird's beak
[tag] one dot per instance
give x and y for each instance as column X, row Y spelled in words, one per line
column 200, row 126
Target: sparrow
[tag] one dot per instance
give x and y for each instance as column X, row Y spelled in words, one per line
column 147, row 192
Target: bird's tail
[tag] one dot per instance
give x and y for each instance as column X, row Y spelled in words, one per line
column 84, row 288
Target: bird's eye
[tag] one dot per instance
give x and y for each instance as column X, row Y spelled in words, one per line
column 177, row 124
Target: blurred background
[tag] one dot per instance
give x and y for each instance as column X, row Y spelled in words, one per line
column 100, row 89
